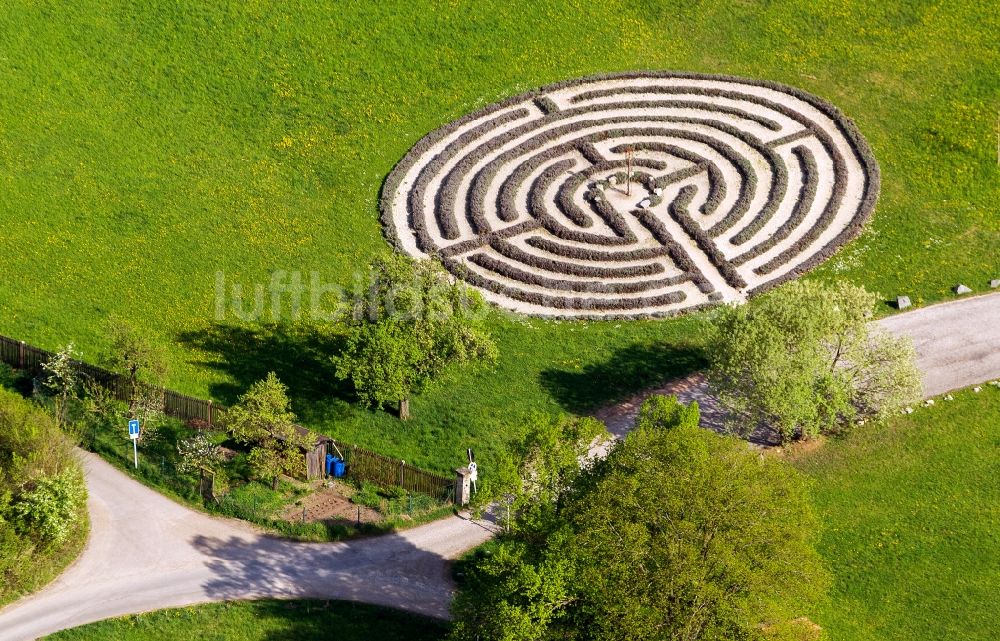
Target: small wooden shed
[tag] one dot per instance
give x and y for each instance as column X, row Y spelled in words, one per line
column 315, row 457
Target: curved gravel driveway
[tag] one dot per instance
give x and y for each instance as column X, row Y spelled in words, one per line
column 146, row 552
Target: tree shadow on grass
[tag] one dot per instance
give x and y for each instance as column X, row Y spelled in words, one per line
column 313, row 620
column 300, row 355
column 630, row 370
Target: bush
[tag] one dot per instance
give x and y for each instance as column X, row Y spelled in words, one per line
column 42, row 497
column 368, row 496
column 8, row 377
column 49, row 510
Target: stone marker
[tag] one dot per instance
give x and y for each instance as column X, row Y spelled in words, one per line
column 995, row 283
column 962, row 289
column 902, row 302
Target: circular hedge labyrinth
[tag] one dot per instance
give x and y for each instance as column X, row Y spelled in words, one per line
column 736, row 185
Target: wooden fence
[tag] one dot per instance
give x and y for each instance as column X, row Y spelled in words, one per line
column 383, row 471
column 362, row 464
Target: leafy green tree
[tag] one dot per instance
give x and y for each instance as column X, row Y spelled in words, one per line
column 409, row 323
column 678, row 534
column 50, row 506
column 805, row 359
column 198, row 454
column 142, row 363
column 531, row 481
column 263, row 420
column 62, row 381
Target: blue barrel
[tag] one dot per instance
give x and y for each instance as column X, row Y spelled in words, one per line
column 339, row 468
column 330, row 458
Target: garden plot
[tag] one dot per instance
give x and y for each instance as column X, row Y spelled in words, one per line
column 641, row 194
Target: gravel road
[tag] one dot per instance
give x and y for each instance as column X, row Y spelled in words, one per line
column 146, row 552
column 958, row 342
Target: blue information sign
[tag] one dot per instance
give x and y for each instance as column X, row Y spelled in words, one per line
column 133, row 429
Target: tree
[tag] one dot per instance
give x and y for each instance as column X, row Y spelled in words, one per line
column 62, row 381
column 666, row 412
column 407, row 326
column 142, row 364
column 678, row 534
column 198, row 453
column 532, row 479
column 262, row 419
column 805, row 359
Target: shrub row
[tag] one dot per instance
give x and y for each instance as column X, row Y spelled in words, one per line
column 679, row 211
column 595, row 255
column 804, row 202
column 683, row 104
column 567, row 302
column 677, row 253
column 415, row 198
column 779, row 185
column 447, row 195
column 829, row 211
column 584, row 270
column 509, row 270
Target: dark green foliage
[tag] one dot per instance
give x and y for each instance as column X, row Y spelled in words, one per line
column 262, row 420
column 678, row 534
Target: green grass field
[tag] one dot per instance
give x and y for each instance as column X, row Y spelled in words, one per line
column 912, row 524
column 264, row 621
column 143, row 147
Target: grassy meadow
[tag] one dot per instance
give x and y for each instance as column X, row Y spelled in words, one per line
column 263, row 621
column 911, row 513
column 145, row 147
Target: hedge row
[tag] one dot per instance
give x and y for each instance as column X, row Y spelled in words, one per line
column 510, row 271
column 803, row 203
column 582, row 269
column 685, row 104
column 677, row 253
column 825, row 219
column 594, row 255
column 678, row 210
column 566, row 302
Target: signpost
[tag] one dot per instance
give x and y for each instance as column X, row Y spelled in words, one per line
column 133, row 433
